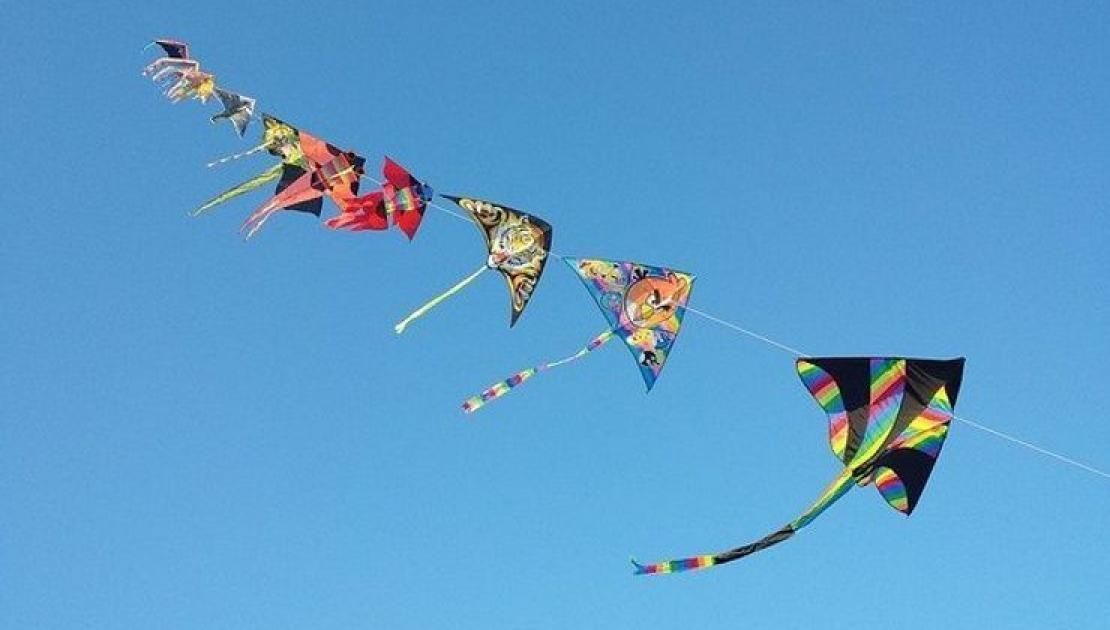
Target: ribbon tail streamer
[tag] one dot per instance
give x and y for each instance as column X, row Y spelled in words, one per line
column 842, row 484
column 500, row 388
column 403, row 324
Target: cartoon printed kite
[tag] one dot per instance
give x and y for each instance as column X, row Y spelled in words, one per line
column 888, row 418
column 644, row 306
column 402, row 197
column 518, row 245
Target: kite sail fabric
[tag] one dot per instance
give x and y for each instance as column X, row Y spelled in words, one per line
column 888, row 418
column 178, row 74
column 331, row 171
column 278, row 139
column 402, row 197
column 643, row 305
column 518, row 245
column 238, row 109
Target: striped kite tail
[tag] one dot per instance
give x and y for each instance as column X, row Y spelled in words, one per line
column 500, row 388
column 694, row 563
column 674, row 566
column 840, row 485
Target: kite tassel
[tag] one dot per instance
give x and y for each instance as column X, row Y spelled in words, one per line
column 500, row 388
column 400, row 327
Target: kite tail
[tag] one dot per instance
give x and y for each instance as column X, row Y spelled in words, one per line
column 834, row 491
column 499, row 389
column 400, row 327
column 236, row 156
column 246, row 187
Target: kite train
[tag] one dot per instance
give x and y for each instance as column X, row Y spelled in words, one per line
column 888, row 418
column 643, row 305
column 518, row 245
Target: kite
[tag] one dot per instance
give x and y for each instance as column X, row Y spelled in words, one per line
column 279, row 139
column 888, row 418
column 402, row 197
column 330, row 171
column 518, row 244
column 644, row 306
column 238, row 109
column 179, row 74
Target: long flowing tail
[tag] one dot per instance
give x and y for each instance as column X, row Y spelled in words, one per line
column 500, row 388
column 834, row 491
column 246, row 187
column 400, row 327
column 236, row 156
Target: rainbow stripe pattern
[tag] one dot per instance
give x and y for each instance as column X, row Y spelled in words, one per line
column 674, row 566
column 500, row 388
column 827, row 393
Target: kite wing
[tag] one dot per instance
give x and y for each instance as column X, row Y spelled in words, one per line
column 290, row 175
column 337, row 172
column 237, row 108
column 405, row 197
column 518, row 245
column 643, row 304
column 902, row 469
column 888, row 418
column 296, row 191
column 361, row 213
column 316, row 150
column 174, row 49
column 341, row 176
column 165, row 69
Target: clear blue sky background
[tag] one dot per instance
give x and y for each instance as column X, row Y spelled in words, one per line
column 202, row 433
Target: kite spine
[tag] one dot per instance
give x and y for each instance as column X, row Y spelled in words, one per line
column 400, row 327
column 500, row 388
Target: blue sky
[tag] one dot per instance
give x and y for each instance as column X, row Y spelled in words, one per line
column 203, row 433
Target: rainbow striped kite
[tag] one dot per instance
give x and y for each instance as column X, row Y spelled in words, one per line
column 888, row 418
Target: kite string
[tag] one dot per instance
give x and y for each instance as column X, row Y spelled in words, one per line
column 752, row 334
column 798, row 353
column 1034, row 447
column 430, row 204
column 972, row 423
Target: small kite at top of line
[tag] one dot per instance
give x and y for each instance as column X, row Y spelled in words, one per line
column 888, row 418
column 181, row 78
